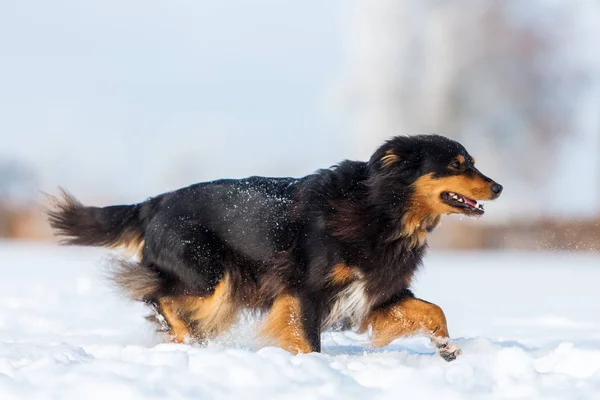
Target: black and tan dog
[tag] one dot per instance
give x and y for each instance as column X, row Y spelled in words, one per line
column 337, row 248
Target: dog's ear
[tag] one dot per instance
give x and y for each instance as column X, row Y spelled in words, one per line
column 398, row 150
column 384, row 157
column 399, row 157
column 389, row 158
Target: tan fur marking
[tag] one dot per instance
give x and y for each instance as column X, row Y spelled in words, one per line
column 407, row 318
column 342, row 274
column 431, row 222
column 426, row 203
column 460, row 159
column 179, row 329
column 389, row 158
column 214, row 314
column 474, row 187
column 209, row 316
column 283, row 326
column 131, row 243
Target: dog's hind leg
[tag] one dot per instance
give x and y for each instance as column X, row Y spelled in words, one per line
column 200, row 317
column 210, row 316
column 171, row 309
column 157, row 318
column 410, row 317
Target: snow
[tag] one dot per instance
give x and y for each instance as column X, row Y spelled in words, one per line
column 529, row 326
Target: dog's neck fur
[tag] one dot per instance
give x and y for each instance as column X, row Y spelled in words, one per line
column 416, row 225
column 409, row 222
column 406, row 224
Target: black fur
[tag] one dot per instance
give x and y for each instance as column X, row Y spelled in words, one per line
column 277, row 235
column 92, row 226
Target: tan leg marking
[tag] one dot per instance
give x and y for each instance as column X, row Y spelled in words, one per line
column 212, row 315
column 407, row 318
column 179, row 329
column 283, row 325
column 200, row 317
column 412, row 317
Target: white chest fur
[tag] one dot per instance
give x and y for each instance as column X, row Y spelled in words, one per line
column 349, row 304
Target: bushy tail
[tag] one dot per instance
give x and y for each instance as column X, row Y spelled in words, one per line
column 114, row 226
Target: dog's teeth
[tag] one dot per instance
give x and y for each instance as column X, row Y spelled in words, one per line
column 460, row 200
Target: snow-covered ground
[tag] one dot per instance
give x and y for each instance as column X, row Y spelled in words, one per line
column 529, row 326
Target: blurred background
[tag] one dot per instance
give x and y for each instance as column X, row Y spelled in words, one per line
column 121, row 100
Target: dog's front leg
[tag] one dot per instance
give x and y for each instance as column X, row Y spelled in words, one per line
column 411, row 317
column 294, row 323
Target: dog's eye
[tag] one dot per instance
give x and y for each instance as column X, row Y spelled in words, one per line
column 455, row 164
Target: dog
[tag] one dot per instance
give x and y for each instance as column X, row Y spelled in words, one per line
column 336, row 249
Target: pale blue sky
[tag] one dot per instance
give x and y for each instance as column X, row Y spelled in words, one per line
column 121, row 100
column 130, row 98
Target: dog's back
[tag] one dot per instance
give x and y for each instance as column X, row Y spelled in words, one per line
column 190, row 229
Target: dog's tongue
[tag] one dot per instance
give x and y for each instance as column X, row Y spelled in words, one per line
column 470, row 202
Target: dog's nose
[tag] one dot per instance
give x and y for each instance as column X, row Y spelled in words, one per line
column 497, row 189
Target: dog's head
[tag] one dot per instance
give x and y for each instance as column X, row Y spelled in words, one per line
column 436, row 174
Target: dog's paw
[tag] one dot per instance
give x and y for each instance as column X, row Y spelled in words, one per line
column 159, row 323
column 447, row 349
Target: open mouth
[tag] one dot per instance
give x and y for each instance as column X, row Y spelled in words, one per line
column 459, row 201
